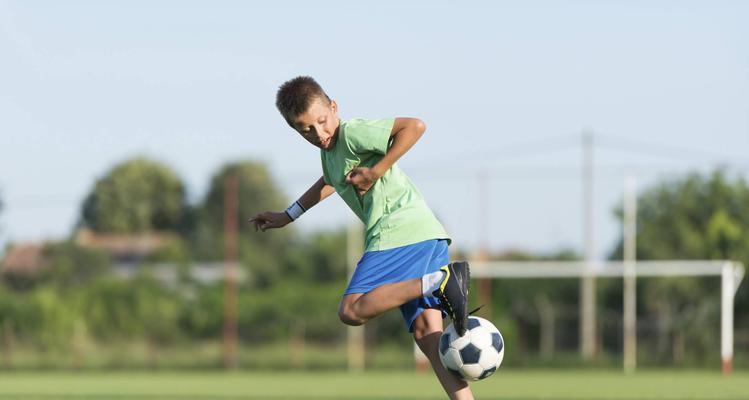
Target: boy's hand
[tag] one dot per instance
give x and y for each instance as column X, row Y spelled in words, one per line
column 270, row 220
column 362, row 179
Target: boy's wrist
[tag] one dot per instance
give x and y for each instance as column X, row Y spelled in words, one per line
column 287, row 218
column 378, row 170
column 294, row 211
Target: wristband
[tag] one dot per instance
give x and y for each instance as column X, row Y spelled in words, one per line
column 295, row 211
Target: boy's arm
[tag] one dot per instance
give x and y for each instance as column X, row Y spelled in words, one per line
column 406, row 131
column 315, row 194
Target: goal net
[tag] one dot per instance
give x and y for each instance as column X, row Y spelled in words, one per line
column 729, row 272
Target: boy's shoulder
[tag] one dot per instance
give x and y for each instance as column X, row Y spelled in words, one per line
column 368, row 123
column 363, row 135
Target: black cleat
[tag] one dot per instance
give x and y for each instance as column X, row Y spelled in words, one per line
column 453, row 294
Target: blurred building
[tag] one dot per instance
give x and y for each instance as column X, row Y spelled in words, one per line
column 130, row 252
column 23, row 259
column 124, row 248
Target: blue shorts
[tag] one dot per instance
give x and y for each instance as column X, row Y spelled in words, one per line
column 377, row 268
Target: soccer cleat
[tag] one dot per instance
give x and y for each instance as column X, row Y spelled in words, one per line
column 453, row 294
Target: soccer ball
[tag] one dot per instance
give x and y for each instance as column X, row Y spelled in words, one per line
column 475, row 355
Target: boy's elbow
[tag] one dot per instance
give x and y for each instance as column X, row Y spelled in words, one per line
column 419, row 125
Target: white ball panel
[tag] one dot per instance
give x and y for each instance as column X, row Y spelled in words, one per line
column 488, row 325
column 452, row 359
column 481, row 338
column 472, row 371
column 460, row 341
column 489, row 358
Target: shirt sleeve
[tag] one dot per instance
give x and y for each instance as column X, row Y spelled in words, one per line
column 370, row 136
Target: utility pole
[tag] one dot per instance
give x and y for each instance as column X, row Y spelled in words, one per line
column 588, row 283
column 355, row 334
column 630, row 278
column 231, row 216
column 484, row 224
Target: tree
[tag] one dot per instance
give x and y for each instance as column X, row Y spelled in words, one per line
column 261, row 252
column 68, row 265
column 320, row 257
column 696, row 217
column 136, row 196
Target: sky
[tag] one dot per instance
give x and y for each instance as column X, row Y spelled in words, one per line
column 506, row 90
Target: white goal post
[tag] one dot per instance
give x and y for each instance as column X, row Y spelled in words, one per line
column 731, row 274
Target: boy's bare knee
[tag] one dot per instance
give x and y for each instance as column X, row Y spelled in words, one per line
column 347, row 310
column 424, row 336
column 420, row 332
column 348, row 317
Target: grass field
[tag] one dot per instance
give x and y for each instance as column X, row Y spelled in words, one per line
column 518, row 385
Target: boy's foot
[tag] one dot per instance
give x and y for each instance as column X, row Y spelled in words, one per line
column 453, row 294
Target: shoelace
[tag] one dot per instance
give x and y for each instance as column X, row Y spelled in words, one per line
column 476, row 309
column 450, row 311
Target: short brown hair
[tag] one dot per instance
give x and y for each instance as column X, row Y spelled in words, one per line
column 296, row 95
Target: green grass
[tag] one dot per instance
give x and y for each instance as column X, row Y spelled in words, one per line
column 506, row 384
column 203, row 356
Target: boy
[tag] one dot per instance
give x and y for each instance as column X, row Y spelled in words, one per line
column 405, row 263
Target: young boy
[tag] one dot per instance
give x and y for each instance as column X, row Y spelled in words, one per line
column 406, row 262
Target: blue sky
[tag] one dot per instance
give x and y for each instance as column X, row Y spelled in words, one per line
column 505, row 88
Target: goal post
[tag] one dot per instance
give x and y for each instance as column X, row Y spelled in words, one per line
column 731, row 273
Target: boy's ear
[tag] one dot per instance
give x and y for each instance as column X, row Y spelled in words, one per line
column 334, row 107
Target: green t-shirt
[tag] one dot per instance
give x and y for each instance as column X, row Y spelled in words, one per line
column 393, row 210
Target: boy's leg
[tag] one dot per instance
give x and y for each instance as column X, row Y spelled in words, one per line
column 358, row 308
column 427, row 329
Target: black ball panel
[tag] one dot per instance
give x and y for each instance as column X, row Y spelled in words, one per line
column 487, row 372
column 473, row 323
column 444, row 343
column 470, row 354
column 497, row 342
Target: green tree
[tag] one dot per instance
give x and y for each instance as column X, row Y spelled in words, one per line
column 1, row 211
column 138, row 195
column 68, row 265
column 261, row 252
column 110, row 308
column 695, row 217
column 39, row 317
column 158, row 310
column 319, row 257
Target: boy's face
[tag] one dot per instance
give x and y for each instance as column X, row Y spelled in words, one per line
column 319, row 124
